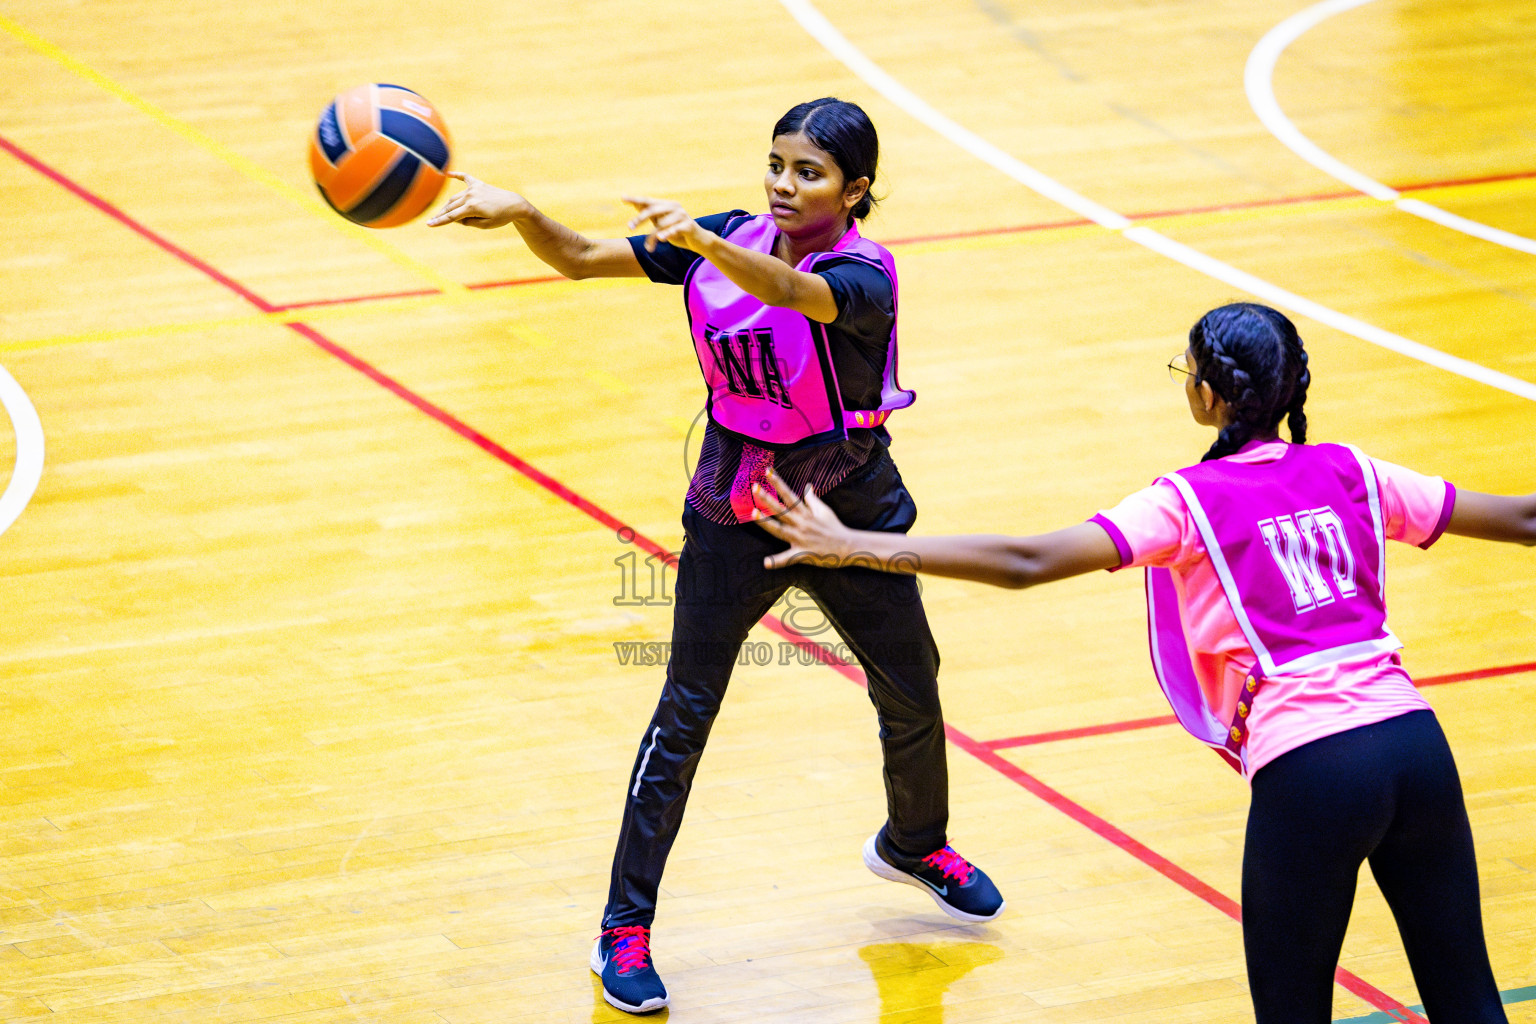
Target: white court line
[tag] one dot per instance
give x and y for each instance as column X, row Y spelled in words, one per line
column 1258, row 82
column 29, row 450
column 825, row 33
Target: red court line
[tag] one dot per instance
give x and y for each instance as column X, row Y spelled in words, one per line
column 1082, row 222
column 1099, row 826
column 1455, row 182
column 1250, row 204
column 414, row 293
column 516, row 282
column 118, row 215
column 474, row 436
column 1150, row 723
column 1018, row 229
column 1055, row 799
column 1477, row 673
column 916, row 239
column 1080, row 732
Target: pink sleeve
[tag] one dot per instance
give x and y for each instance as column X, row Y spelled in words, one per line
column 1415, row 508
column 1150, row 527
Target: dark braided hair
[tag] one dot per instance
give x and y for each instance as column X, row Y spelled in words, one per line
column 1252, row 357
column 843, row 131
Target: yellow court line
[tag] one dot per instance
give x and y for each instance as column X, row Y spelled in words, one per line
column 245, row 166
column 609, row 381
column 306, row 315
column 529, row 336
column 291, row 316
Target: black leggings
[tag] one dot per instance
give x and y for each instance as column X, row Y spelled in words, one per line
column 722, row 590
column 1389, row 793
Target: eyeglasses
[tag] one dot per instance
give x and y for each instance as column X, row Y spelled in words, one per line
column 1178, row 368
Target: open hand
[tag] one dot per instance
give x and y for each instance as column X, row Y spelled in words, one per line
column 670, row 221
column 815, row 535
column 479, row 205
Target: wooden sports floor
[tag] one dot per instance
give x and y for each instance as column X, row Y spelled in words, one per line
column 323, row 632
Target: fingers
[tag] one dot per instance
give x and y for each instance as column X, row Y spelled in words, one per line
column 660, row 216
column 773, row 526
column 456, row 208
column 668, row 218
column 469, row 214
column 812, row 501
column 795, row 522
column 466, row 205
column 779, row 561
column 442, row 214
column 797, row 556
column 645, row 208
column 768, row 501
column 465, row 213
column 768, row 509
column 783, row 494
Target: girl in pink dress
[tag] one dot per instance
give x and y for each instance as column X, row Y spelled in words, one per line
column 1267, row 619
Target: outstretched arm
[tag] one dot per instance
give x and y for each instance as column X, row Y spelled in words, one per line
column 572, row 254
column 1494, row 517
column 817, row 536
column 764, row 277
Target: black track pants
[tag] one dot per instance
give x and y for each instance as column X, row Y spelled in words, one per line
column 1387, row 793
column 722, row 591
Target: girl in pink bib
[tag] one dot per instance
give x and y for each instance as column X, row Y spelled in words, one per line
column 1266, row 612
column 792, row 315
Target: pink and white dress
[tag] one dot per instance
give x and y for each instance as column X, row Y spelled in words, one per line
column 1265, row 591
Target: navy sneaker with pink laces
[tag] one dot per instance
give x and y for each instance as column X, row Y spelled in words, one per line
column 622, row 958
column 961, row 889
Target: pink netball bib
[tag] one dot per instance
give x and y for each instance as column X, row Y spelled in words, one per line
column 1299, row 548
column 768, row 369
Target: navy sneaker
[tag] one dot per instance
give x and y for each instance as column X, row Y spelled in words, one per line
column 622, row 958
column 961, row 889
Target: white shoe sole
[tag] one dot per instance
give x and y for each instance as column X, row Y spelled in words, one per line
column 595, row 961
column 891, row 873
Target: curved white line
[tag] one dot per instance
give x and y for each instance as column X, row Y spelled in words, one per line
column 814, row 22
column 1261, row 96
column 1277, row 296
column 1258, row 82
column 29, row 450
column 825, row 33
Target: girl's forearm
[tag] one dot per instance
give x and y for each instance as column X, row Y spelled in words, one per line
column 1495, row 517
column 815, row 535
column 1000, row 561
column 769, row 279
column 551, row 241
